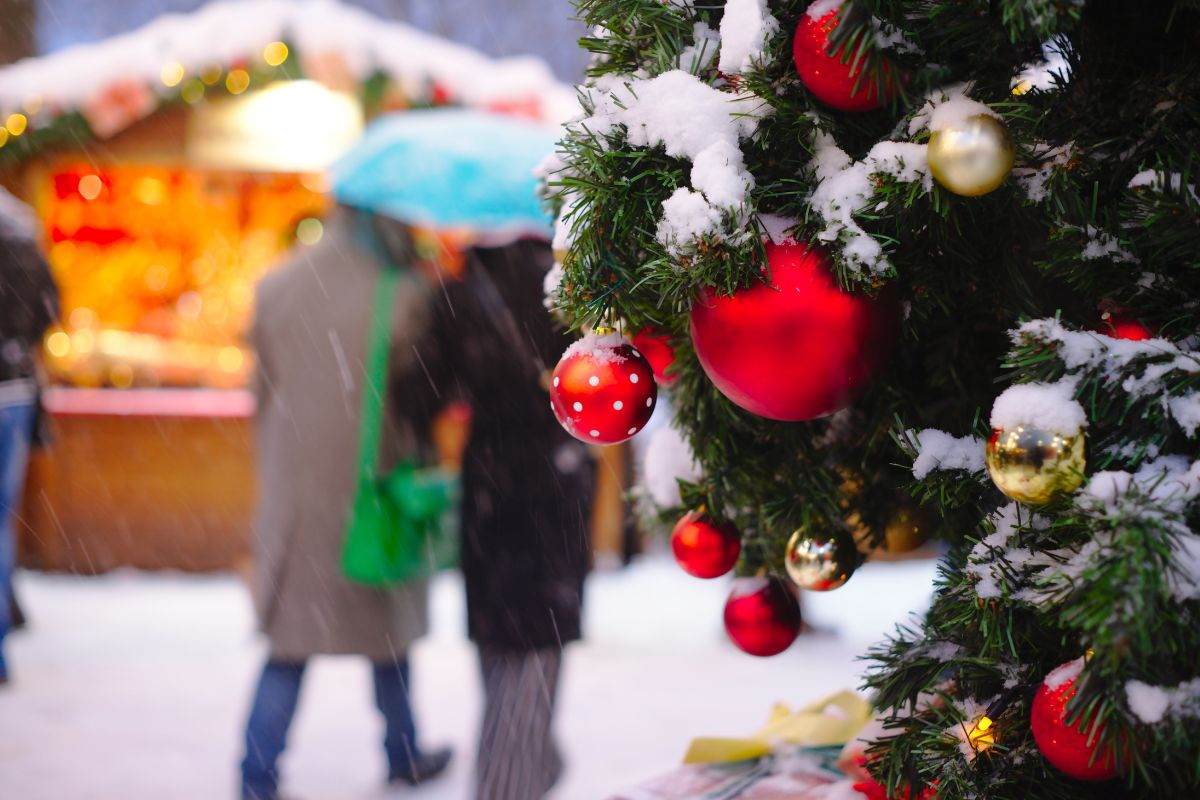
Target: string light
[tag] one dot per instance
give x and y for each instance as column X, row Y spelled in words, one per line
column 16, row 124
column 275, row 53
column 90, row 187
column 237, row 81
column 982, row 735
column 171, row 74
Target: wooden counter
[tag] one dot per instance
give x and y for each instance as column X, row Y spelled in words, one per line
column 154, row 479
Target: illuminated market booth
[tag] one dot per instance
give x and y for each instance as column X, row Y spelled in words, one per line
column 172, row 167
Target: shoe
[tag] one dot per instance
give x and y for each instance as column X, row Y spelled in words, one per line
column 424, row 768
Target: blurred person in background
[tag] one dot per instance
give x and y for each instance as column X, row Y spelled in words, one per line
column 526, row 487
column 310, row 334
column 28, row 306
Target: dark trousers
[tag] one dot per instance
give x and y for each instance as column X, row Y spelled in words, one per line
column 518, row 759
column 275, row 705
column 16, row 421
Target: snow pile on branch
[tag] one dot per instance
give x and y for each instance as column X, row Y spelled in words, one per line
column 1153, row 704
column 938, row 450
column 698, row 56
column 1102, row 244
column 1041, row 74
column 1047, row 406
column 1186, row 411
column 667, row 461
column 820, row 8
column 1034, row 179
column 1160, row 181
column 233, row 32
column 845, row 186
column 996, row 560
column 948, row 107
column 1084, row 350
column 692, row 120
column 747, row 27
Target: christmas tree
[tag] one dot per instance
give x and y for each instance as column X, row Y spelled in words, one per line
column 912, row 265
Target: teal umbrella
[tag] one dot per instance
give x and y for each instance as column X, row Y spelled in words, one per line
column 449, row 169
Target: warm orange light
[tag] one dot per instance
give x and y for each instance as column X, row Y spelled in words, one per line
column 237, row 81
column 90, row 187
column 3, row 136
column 171, row 74
column 210, row 75
column 192, row 92
column 58, row 344
column 982, row 736
column 275, row 53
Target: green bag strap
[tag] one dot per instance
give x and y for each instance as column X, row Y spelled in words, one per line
column 374, row 388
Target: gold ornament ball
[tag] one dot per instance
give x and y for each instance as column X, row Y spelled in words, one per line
column 1035, row 466
column 908, row 528
column 972, row 159
column 819, row 562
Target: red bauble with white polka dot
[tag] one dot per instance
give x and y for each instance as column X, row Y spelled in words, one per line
column 603, row 390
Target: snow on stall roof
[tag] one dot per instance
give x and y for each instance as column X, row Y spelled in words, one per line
column 747, row 27
column 225, row 32
column 1048, row 406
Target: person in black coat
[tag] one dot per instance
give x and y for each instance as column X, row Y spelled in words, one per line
column 526, row 507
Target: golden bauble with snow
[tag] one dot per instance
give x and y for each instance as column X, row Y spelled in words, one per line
column 1035, row 466
column 973, row 158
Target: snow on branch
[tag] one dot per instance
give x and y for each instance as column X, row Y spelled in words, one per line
column 1153, row 704
column 938, row 450
column 689, row 119
column 747, row 27
column 1047, row 406
column 845, row 186
column 1114, row 358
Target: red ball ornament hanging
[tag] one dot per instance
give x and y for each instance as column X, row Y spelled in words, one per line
column 705, row 547
column 762, row 615
column 1118, row 323
column 603, row 390
column 799, row 348
column 837, row 84
column 656, row 347
column 1065, row 746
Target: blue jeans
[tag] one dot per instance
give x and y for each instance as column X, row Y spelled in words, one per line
column 275, row 705
column 16, row 421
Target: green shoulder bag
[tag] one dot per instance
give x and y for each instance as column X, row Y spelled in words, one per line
column 402, row 524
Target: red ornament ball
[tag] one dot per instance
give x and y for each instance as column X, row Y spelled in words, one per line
column 705, row 547
column 829, row 80
column 799, row 348
column 603, row 390
column 656, row 347
column 1120, row 324
column 1066, row 746
column 762, row 615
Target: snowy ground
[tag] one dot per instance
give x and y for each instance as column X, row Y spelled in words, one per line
column 133, row 686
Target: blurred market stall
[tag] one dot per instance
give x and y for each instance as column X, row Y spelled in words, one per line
column 172, row 167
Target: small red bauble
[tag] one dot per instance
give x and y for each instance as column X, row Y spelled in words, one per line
column 799, row 348
column 874, row 791
column 656, row 347
column 1119, row 324
column 1066, row 746
column 829, row 80
column 705, row 547
column 603, row 390
column 762, row 615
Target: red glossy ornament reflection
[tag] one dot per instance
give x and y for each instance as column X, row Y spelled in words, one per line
column 1066, row 746
column 762, row 616
column 829, row 80
column 705, row 547
column 798, row 349
column 603, row 391
column 656, row 347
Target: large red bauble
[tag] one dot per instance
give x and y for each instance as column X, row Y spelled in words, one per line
column 799, row 348
column 1066, row 746
column 656, row 347
column 831, row 81
column 603, row 390
column 705, row 547
column 762, row 615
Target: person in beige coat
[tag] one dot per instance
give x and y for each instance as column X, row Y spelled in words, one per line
column 310, row 334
